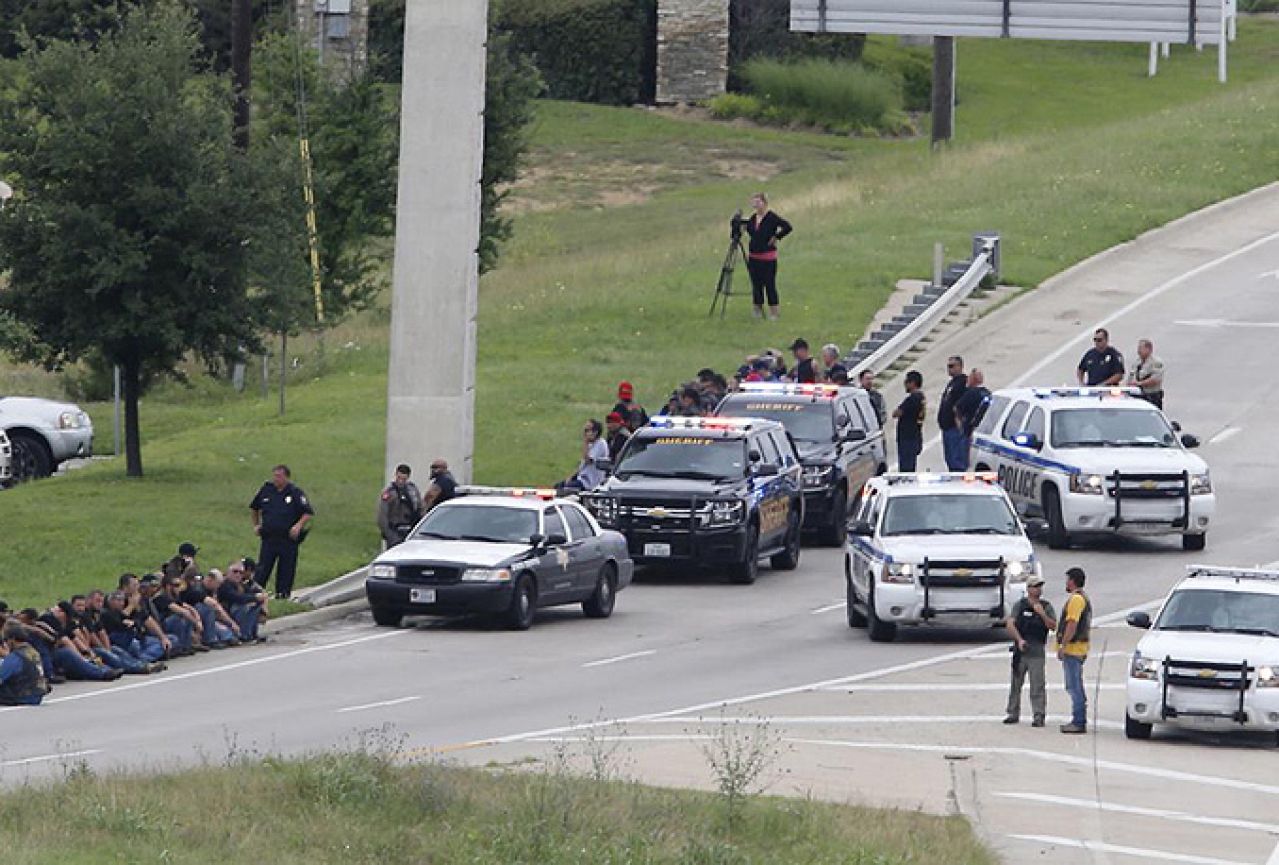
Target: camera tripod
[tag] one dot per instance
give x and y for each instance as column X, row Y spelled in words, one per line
column 724, row 288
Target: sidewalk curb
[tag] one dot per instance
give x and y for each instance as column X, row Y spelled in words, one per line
column 314, row 618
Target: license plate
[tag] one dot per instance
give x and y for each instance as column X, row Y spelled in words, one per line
column 422, row 596
column 657, row 550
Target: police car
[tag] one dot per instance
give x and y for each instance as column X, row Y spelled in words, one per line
column 837, row 436
column 926, row 547
column 1211, row 659
column 501, row 551
column 706, row 491
column 1095, row 460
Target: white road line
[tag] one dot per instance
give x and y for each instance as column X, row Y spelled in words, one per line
column 27, row 761
column 398, row 702
column 1225, row 435
column 239, row 665
column 1138, row 852
column 606, row 661
column 828, row 608
column 933, row 687
column 837, row 720
column 1274, row 857
column 1149, row 771
column 1157, row 813
column 1221, row 322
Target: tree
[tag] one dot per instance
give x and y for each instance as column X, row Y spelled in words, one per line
column 45, row 20
column 132, row 206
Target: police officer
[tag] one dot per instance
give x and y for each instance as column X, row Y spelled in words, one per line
column 1031, row 620
column 866, row 378
column 400, row 507
column 910, row 423
column 1149, row 374
column 22, row 681
column 443, row 487
column 1102, row 364
column 952, row 436
column 280, row 514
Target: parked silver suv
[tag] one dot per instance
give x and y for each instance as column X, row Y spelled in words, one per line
column 42, row 435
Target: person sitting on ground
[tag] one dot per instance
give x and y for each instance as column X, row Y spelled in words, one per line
column 618, row 435
column 88, row 612
column 225, row 628
column 245, row 604
column 148, row 628
column 42, row 639
column 186, row 555
column 71, row 655
column 193, row 593
column 628, row 408
column 178, row 617
column 130, row 634
column 589, row 473
column 22, row 681
column 157, row 610
column 690, row 401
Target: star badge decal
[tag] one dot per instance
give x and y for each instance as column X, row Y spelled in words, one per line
column 561, row 558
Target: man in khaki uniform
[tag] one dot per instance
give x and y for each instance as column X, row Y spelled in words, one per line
column 1029, row 623
column 1148, row 374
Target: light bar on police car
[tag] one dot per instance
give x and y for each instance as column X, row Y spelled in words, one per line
column 1101, row 392
column 828, row 391
column 1233, row 573
column 702, row 423
column 512, row 492
column 897, row 478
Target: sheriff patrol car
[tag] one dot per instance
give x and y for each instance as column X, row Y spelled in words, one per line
column 927, row 546
column 1094, row 460
column 713, row 491
column 838, row 438
column 500, row 551
column 1211, row 659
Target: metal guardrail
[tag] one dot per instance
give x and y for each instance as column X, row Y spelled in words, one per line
column 985, row 261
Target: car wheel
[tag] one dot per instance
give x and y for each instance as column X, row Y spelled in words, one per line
column 1136, row 729
column 1058, row 539
column 745, row 571
column 519, row 616
column 788, row 559
column 855, row 618
column 385, row 617
column 1192, row 543
column 31, row 458
column 600, row 604
column 833, row 534
column 880, row 631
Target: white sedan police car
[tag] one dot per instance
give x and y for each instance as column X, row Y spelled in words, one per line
column 500, row 551
column 1211, row 659
column 1094, row 460
column 924, row 547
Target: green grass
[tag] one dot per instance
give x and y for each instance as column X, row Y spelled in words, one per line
column 839, row 97
column 1067, row 149
column 359, row 808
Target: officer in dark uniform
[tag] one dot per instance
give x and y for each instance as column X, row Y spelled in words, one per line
column 280, row 512
column 399, row 508
column 1102, row 364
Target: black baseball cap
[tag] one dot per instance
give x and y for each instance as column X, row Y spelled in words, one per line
column 188, row 549
column 4, row 607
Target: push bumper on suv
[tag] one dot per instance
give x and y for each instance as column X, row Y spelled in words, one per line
column 668, row 532
column 1140, row 504
column 1202, row 694
column 961, row 592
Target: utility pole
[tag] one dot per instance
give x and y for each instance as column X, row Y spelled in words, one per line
column 943, row 90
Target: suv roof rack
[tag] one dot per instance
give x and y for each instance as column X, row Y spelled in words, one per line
column 1236, row 573
column 1100, row 392
column 901, row 478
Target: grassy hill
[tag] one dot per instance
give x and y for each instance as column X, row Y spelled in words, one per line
column 622, row 226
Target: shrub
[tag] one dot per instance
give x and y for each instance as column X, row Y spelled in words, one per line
column 588, row 50
column 911, row 68
column 730, row 106
column 838, row 96
column 760, row 29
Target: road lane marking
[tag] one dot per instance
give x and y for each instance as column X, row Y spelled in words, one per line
column 931, row 687
column 1225, row 435
column 380, row 705
column 1274, row 857
column 1157, row 813
column 1138, row 852
column 828, row 608
column 238, row 665
column 1221, row 322
column 603, row 662
column 27, row 761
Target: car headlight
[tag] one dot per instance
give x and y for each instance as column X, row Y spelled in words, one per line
column 899, row 572
column 1091, row 485
column 486, row 575
column 1200, row 484
column 382, row 572
column 71, row 420
column 1143, row 668
column 1018, row 571
column 1267, row 677
column 818, row 476
column 728, row 513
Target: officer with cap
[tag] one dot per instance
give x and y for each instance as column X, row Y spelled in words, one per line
column 1031, row 620
column 280, row 514
column 399, row 508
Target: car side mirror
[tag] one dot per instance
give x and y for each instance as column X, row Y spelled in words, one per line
column 754, row 456
column 1190, row 441
column 537, row 540
column 842, row 421
column 604, row 465
column 1176, row 426
column 766, row 470
column 556, row 540
column 1139, row 619
column 1028, row 440
column 861, row 528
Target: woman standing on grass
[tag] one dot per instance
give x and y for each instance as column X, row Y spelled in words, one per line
column 766, row 229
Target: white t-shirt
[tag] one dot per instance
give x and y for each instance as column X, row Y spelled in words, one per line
column 589, row 472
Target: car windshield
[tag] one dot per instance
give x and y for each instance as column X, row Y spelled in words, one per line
column 683, row 456
column 1111, row 427
column 479, row 523
column 949, row 515
column 1221, row 611
column 806, row 422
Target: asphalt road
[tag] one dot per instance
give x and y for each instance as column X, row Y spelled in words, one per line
column 1206, row 291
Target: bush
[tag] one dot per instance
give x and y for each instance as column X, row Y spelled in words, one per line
column 730, row 106
column 588, row 50
column 838, row 96
column 760, row 29
column 911, row 68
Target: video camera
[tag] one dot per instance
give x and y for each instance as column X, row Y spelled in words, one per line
column 736, row 224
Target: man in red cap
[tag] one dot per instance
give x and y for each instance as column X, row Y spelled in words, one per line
column 632, row 413
column 618, row 435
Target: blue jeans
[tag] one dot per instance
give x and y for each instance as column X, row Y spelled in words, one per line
column 212, row 634
column 74, row 666
column 46, row 656
column 246, row 616
column 180, row 630
column 148, row 648
column 1072, row 668
column 954, row 445
column 118, row 659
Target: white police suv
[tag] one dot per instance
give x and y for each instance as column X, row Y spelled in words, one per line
column 924, row 547
column 1211, row 659
column 1094, row 460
